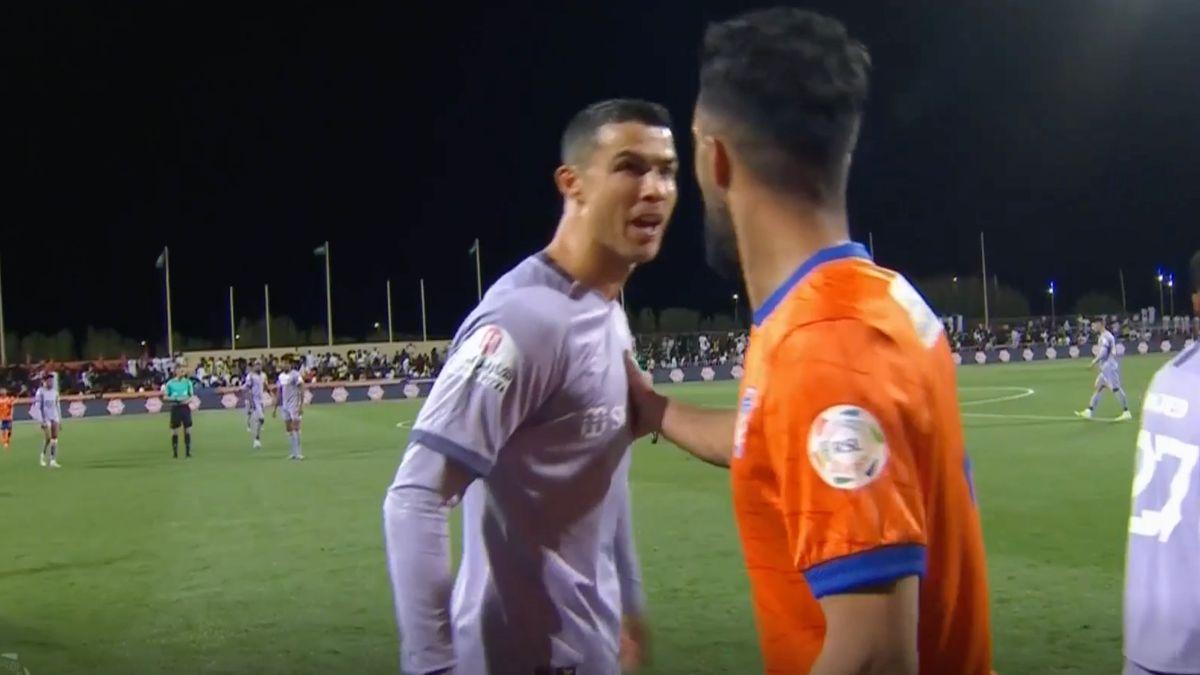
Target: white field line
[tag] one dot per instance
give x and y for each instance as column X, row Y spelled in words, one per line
column 1021, row 392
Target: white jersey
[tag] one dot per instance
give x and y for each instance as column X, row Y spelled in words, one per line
column 46, row 406
column 290, row 395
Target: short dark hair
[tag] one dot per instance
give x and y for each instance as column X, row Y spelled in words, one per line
column 1195, row 271
column 791, row 85
column 579, row 137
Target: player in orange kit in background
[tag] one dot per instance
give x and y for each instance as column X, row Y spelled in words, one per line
column 851, row 485
column 6, row 417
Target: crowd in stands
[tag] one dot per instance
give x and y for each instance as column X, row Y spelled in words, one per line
column 694, row 349
column 149, row 374
column 653, row 351
column 1070, row 331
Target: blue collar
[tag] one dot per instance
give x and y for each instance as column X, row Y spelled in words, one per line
column 850, row 249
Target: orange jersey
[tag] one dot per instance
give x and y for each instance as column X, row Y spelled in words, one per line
column 6, row 407
column 849, row 468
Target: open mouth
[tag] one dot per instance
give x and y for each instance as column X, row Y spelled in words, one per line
column 648, row 224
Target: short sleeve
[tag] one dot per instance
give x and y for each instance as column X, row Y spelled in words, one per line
column 503, row 365
column 839, row 433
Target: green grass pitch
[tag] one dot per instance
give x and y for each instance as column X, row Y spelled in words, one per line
column 237, row 561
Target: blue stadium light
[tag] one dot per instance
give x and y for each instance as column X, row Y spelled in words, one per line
column 1171, row 281
column 1051, row 289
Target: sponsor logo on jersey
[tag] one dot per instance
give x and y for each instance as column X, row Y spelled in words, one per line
column 846, row 447
column 599, row 420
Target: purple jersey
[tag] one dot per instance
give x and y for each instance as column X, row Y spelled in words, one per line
column 532, row 399
column 255, row 385
column 1162, row 596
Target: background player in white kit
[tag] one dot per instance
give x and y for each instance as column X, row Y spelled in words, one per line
column 253, row 389
column 527, row 424
column 1110, row 372
column 290, row 398
column 1162, row 565
column 45, row 403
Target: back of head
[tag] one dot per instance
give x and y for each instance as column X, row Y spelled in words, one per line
column 786, row 89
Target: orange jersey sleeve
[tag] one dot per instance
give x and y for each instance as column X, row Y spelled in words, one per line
column 6, row 408
column 837, row 430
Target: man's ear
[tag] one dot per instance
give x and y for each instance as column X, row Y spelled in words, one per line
column 721, row 168
column 568, row 182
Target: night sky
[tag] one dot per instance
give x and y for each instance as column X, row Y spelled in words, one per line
column 243, row 138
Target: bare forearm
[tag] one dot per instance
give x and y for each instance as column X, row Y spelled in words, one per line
column 706, row 433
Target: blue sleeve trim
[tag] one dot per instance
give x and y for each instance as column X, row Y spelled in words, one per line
column 472, row 460
column 869, row 568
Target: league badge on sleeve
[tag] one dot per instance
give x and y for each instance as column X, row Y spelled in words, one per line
column 846, row 447
column 489, row 356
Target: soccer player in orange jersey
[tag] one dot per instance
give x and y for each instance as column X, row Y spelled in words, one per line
column 6, row 417
column 851, row 485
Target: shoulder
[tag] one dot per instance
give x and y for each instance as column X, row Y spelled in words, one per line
column 848, row 343
column 531, row 316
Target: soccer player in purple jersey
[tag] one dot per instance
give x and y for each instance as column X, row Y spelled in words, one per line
column 1110, row 372
column 1162, row 572
column 527, row 426
column 254, row 388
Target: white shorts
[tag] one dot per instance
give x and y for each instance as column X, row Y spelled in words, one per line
column 290, row 415
column 46, row 422
column 1110, row 376
column 255, row 411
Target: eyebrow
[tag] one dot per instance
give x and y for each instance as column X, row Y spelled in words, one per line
column 669, row 160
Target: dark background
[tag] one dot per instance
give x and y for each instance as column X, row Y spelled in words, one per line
column 244, row 137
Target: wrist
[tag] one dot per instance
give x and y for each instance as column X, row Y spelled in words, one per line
column 656, row 413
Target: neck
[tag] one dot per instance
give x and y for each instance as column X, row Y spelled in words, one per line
column 776, row 237
column 585, row 260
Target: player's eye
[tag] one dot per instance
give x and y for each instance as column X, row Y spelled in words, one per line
column 632, row 167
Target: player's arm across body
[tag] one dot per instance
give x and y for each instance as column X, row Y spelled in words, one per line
column 706, row 433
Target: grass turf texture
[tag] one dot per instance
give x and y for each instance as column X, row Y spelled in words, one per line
column 237, row 561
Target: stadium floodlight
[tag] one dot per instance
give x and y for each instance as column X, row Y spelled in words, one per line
column 1051, row 289
column 954, row 279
